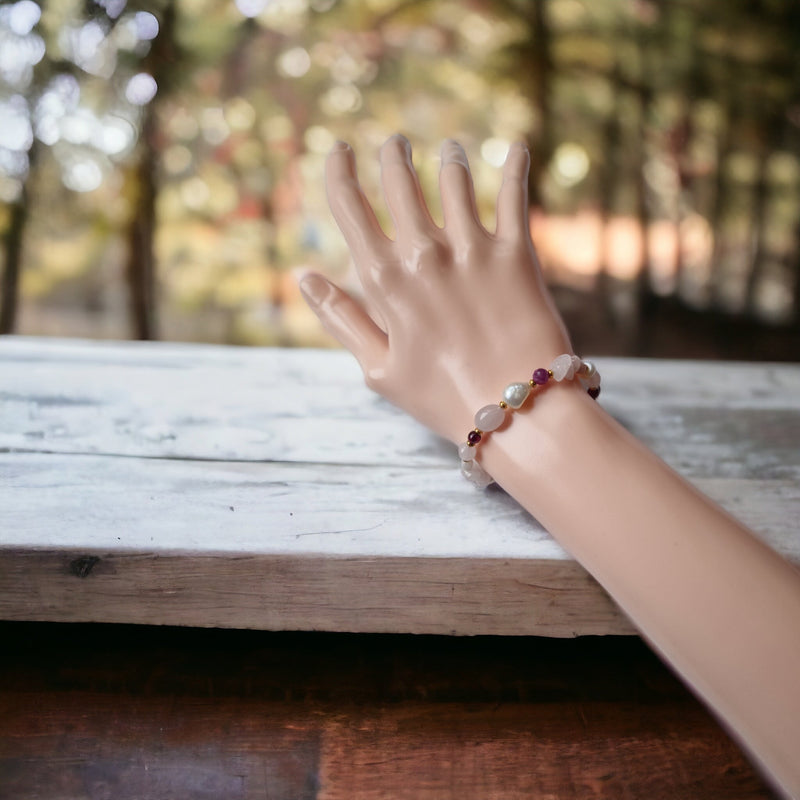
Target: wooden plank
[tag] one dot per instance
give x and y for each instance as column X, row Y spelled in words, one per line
column 210, row 748
column 188, row 470
column 167, row 506
column 205, row 402
column 454, row 596
column 227, row 714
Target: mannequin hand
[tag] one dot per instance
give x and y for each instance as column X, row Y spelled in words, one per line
column 455, row 313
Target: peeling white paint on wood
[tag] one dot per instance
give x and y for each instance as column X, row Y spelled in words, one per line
column 269, row 488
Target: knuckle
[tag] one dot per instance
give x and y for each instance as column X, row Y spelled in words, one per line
column 426, row 253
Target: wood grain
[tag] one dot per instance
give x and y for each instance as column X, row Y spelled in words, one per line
column 94, row 711
column 268, row 488
column 458, row 596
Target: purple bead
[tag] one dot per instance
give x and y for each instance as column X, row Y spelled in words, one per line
column 541, row 376
column 594, row 393
column 473, row 437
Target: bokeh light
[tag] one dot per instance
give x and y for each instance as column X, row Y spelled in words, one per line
column 570, row 164
column 251, row 8
column 641, row 181
column 141, row 89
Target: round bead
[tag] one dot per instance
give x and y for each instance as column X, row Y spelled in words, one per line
column 587, row 369
column 562, row 367
column 473, row 437
column 516, row 394
column 593, row 381
column 541, row 376
column 594, row 392
column 476, row 474
column 490, row 418
column 467, row 452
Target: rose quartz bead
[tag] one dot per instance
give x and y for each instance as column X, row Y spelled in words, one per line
column 467, row 453
column 490, row 418
column 563, row 368
column 476, row 474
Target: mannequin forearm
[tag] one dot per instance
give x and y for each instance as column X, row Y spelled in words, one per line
column 721, row 606
column 457, row 312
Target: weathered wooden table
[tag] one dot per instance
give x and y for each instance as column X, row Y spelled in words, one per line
column 211, row 486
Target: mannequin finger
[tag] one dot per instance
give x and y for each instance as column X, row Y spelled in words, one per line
column 351, row 209
column 458, row 193
column 346, row 321
column 512, row 202
column 402, row 189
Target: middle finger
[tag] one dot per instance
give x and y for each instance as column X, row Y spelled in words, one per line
column 403, row 192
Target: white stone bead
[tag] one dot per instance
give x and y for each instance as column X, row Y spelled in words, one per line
column 476, row 474
column 562, row 367
column 467, row 452
column 490, row 418
column 516, row 394
column 576, row 365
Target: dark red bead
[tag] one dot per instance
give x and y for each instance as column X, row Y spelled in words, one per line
column 473, row 437
column 541, row 376
column 594, row 393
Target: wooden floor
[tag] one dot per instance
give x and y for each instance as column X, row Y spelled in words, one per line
column 124, row 712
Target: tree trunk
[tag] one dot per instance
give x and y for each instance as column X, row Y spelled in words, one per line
column 541, row 62
column 14, row 244
column 141, row 268
column 13, row 262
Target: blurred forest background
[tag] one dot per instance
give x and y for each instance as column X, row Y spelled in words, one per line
column 161, row 163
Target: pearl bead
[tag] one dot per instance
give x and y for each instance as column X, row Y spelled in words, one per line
column 516, row 394
column 593, row 381
column 563, row 368
column 490, row 418
column 467, row 453
column 587, row 369
column 476, row 474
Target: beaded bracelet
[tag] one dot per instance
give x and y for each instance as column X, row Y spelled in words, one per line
column 491, row 417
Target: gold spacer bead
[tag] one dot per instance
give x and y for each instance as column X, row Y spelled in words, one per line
column 550, row 373
column 470, row 444
column 503, row 404
column 531, row 382
column 478, row 430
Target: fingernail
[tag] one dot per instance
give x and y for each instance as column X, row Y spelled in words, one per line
column 314, row 288
column 453, row 152
column 396, row 148
column 339, row 145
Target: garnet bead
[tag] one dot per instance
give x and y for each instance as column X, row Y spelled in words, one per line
column 473, row 437
column 594, row 392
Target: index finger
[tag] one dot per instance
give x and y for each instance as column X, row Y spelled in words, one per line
column 351, row 209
